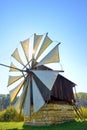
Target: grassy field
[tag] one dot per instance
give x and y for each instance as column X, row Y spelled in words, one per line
column 65, row 126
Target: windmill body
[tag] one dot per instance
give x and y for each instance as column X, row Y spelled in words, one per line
column 37, row 85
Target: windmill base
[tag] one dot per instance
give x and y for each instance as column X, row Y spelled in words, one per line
column 50, row 114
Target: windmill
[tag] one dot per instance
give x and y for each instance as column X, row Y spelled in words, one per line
column 31, row 78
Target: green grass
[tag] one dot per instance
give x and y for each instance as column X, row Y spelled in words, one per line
column 64, row 126
column 11, row 125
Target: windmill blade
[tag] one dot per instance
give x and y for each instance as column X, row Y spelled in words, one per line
column 26, row 108
column 15, row 91
column 37, row 40
column 47, row 41
column 13, row 79
column 19, row 103
column 51, row 57
column 13, row 68
column 47, row 77
column 45, row 92
column 17, row 57
column 25, row 46
column 38, row 100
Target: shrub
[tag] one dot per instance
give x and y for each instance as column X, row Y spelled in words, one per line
column 84, row 112
column 10, row 114
column 2, row 116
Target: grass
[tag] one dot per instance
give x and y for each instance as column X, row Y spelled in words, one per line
column 11, row 125
column 64, row 126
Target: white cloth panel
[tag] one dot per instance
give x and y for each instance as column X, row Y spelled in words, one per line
column 17, row 57
column 13, row 67
column 38, row 100
column 37, row 40
column 25, row 46
column 47, row 77
column 15, row 91
column 46, row 42
column 13, row 79
column 18, row 105
column 51, row 57
column 26, row 108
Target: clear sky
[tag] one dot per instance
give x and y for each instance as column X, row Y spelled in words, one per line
column 64, row 20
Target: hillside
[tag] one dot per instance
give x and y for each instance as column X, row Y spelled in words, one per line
column 82, row 98
column 82, row 95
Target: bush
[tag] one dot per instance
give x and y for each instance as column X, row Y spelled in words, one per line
column 10, row 114
column 2, row 116
column 84, row 112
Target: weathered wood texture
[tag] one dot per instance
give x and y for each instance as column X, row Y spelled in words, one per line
column 51, row 114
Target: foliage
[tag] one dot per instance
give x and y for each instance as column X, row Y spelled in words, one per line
column 4, row 101
column 82, row 95
column 84, row 110
column 64, row 126
column 1, row 115
column 10, row 114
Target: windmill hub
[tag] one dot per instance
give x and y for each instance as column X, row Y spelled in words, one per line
column 29, row 71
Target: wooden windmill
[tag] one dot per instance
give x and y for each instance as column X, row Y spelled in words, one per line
column 42, row 91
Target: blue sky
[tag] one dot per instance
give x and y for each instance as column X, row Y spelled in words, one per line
column 64, row 20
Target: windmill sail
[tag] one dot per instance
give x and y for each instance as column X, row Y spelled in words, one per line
column 13, row 79
column 38, row 100
column 26, row 108
column 15, row 91
column 25, row 46
column 37, row 40
column 45, row 92
column 51, row 57
column 47, row 41
column 17, row 57
column 46, row 76
column 13, row 68
column 19, row 103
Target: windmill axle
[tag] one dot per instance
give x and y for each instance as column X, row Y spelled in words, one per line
column 29, row 71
